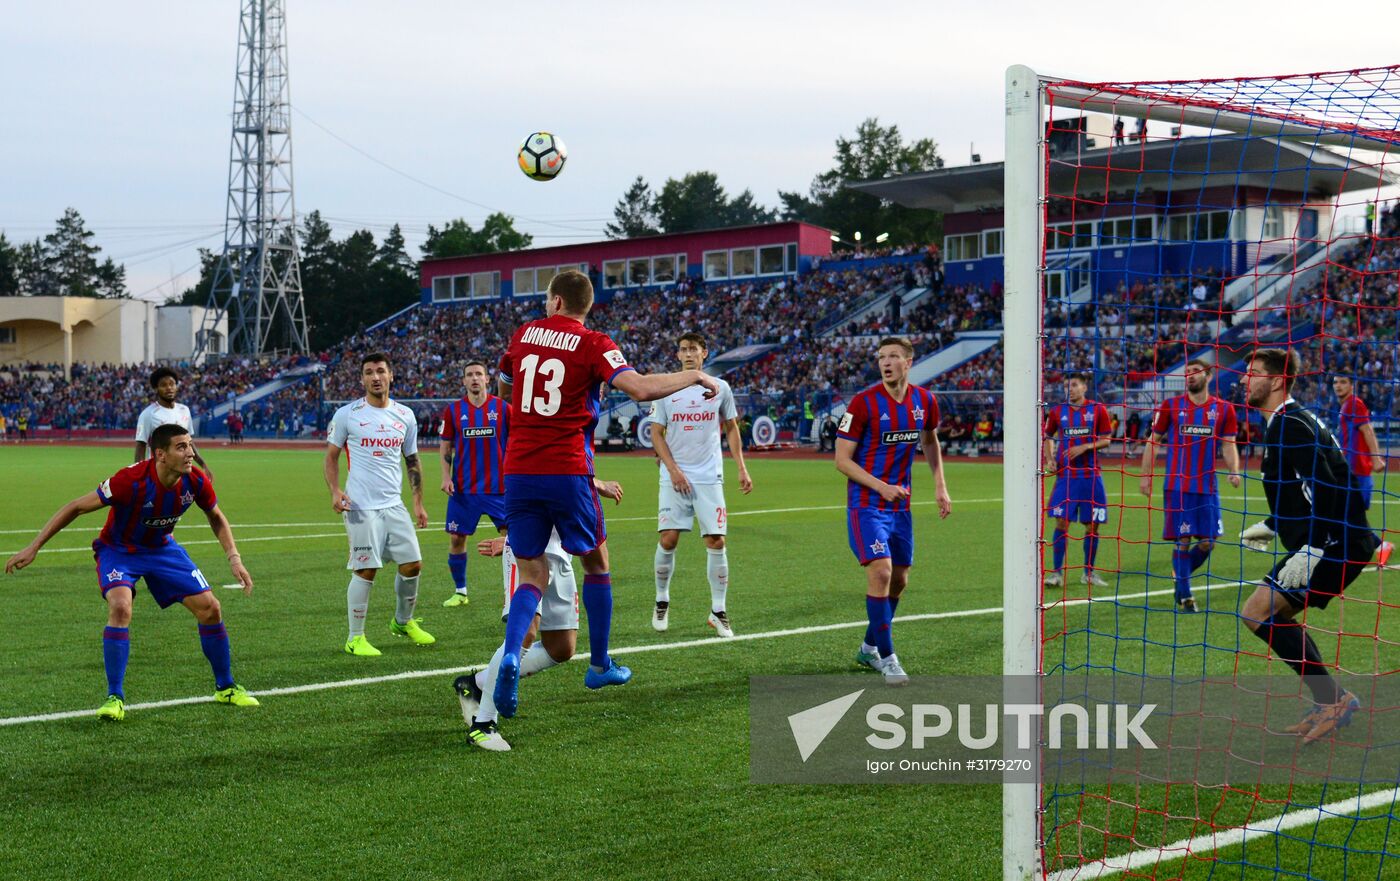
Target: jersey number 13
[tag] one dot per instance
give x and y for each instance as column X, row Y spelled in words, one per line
column 551, row 375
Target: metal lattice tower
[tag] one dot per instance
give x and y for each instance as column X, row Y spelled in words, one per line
column 257, row 284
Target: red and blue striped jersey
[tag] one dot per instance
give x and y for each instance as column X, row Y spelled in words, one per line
column 1193, row 434
column 887, row 433
column 1072, row 426
column 1352, row 415
column 478, row 439
column 142, row 512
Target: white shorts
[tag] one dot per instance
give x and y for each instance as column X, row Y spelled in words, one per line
column 705, row 503
column 381, row 534
column 559, row 603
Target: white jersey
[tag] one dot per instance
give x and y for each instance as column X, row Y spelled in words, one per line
column 155, row 416
column 373, row 438
column 692, row 424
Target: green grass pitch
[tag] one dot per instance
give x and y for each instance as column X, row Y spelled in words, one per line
column 649, row 781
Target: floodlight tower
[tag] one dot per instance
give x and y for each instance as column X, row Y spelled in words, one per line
column 257, row 284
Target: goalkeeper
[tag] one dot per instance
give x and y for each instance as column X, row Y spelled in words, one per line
column 1319, row 516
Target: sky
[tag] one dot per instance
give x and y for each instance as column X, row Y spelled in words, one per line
column 122, row 110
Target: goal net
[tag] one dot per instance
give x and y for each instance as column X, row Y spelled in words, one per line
column 1158, row 235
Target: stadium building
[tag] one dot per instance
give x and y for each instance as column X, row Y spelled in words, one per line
column 1218, row 207
column 747, row 253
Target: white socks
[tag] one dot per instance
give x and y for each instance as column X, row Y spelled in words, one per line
column 357, row 604
column 536, row 659
column 508, row 575
column 665, row 567
column 717, row 569
column 405, row 598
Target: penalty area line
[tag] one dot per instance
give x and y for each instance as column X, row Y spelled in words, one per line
column 626, row 650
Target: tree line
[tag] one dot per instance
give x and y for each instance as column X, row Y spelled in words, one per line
column 62, row 263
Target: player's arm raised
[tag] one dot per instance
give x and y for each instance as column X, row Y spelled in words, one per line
column 846, row 464
column 223, row 531
column 57, row 523
column 340, row 503
column 736, row 452
column 933, row 451
column 663, row 452
column 658, row 385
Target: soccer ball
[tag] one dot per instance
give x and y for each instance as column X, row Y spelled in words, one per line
column 542, row 156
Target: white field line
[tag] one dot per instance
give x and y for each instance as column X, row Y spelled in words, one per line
column 434, row 528
column 1215, row 841
column 629, row 650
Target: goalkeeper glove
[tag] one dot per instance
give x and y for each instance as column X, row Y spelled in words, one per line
column 1298, row 570
column 1257, row 537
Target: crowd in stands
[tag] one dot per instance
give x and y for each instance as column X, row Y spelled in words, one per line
column 110, row 397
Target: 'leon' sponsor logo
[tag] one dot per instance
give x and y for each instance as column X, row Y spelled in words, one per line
column 900, row 437
column 160, row 522
column 1081, row 431
column 483, row 431
column 1198, row 430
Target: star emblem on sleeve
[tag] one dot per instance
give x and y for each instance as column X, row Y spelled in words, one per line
column 116, row 575
column 452, row 526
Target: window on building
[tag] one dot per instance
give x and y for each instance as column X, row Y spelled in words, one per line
column 962, row 247
column 442, row 288
column 614, row 273
column 638, row 271
column 1273, row 222
column 486, row 285
column 716, row 264
column 770, row 260
column 461, row 287
column 663, row 269
column 991, row 243
column 791, row 258
column 543, row 276
column 1121, row 231
column 524, row 282
column 741, row 262
column 8, row 336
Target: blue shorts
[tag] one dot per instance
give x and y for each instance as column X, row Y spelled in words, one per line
column 539, row 503
column 1080, row 499
column 875, row 534
column 1191, row 515
column 464, row 512
column 1366, row 487
column 169, row 572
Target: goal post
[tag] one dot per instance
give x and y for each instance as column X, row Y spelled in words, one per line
column 1150, row 227
column 1021, row 492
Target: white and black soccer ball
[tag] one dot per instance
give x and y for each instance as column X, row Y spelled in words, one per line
column 542, row 156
